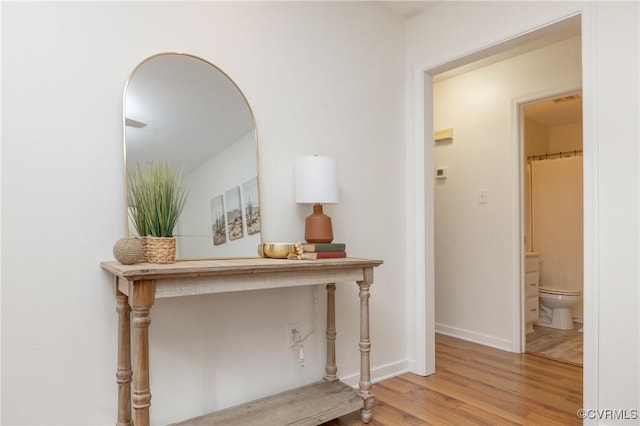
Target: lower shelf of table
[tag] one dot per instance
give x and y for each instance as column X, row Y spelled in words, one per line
column 307, row 405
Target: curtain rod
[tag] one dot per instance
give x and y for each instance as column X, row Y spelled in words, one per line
column 555, row 155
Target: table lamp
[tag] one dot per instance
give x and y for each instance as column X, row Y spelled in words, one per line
column 316, row 182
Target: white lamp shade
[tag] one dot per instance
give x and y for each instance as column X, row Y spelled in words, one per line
column 316, row 180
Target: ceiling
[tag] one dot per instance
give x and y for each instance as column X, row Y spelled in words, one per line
column 408, row 9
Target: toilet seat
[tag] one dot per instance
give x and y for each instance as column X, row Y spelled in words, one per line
column 548, row 290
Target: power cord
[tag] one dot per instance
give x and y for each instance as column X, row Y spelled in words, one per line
column 299, row 341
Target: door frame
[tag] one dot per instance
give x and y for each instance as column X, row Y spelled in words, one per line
column 421, row 263
column 519, row 333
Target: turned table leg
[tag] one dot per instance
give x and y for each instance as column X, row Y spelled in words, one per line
column 141, row 298
column 331, row 367
column 365, row 346
column 123, row 374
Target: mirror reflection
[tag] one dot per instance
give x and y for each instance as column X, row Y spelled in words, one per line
column 183, row 109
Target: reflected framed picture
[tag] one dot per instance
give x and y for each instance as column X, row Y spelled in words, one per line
column 218, row 225
column 251, row 204
column 234, row 213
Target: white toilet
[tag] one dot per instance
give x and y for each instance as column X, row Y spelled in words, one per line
column 555, row 307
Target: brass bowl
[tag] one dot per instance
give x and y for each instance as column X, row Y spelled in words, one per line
column 277, row 250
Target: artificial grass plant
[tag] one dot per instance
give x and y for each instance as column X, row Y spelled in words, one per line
column 156, row 197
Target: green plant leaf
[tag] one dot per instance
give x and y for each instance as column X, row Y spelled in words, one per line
column 156, row 198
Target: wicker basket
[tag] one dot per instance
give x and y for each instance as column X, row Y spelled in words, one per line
column 160, row 249
column 143, row 259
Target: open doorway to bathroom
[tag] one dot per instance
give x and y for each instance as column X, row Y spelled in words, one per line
column 553, row 226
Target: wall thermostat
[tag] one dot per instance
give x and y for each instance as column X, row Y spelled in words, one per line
column 441, row 173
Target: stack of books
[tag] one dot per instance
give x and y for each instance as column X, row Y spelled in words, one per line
column 313, row 251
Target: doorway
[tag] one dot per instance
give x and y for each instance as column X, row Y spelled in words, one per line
column 552, row 171
column 422, row 264
column 477, row 224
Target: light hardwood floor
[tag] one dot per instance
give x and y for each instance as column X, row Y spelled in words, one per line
column 478, row 385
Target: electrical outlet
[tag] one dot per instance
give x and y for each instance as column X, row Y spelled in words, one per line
column 294, row 336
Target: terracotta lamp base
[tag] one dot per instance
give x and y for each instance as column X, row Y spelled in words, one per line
column 317, row 226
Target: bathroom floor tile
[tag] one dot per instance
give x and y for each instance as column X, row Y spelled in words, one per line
column 562, row 345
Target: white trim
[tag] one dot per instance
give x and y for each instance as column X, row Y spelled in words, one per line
column 429, row 221
column 518, row 333
column 472, row 336
column 591, row 225
column 421, row 295
column 425, row 362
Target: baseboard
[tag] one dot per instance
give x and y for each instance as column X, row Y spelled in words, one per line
column 416, row 368
column 379, row 374
column 472, row 336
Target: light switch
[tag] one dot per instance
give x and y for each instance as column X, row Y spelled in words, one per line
column 483, row 196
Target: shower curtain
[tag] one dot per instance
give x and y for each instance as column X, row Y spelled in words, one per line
column 556, row 221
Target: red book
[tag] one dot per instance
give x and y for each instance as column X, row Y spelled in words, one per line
column 323, row 255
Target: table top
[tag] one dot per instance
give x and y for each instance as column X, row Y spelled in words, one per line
column 235, row 266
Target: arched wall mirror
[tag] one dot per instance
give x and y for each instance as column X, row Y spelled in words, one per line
column 185, row 110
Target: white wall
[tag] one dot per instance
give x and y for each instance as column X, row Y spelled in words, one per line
column 321, row 78
column 537, row 138
column 474, row 301
column 611, row 66
column 618, row 108
column 566, row 137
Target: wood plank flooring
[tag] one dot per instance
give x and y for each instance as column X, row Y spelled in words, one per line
column 478, row 385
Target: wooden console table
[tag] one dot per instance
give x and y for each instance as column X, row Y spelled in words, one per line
column 137, row 286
